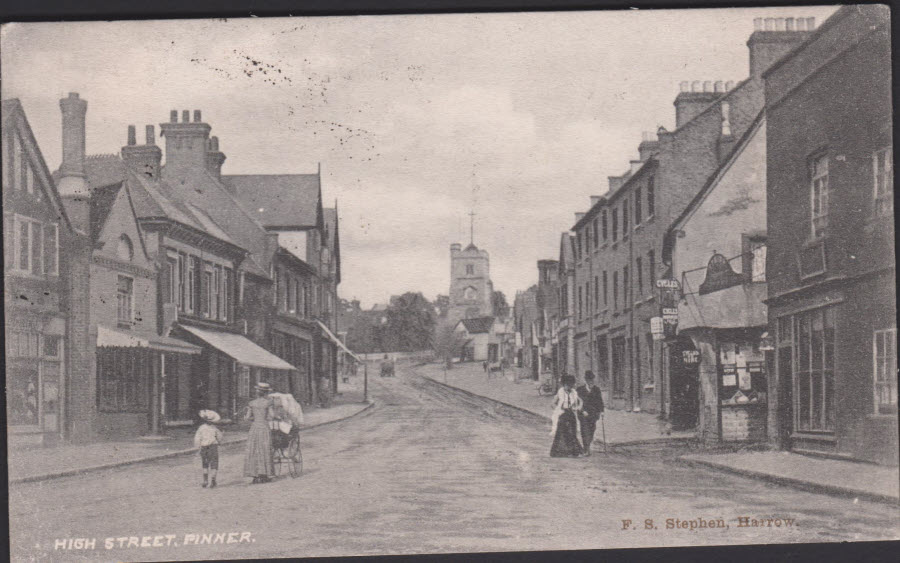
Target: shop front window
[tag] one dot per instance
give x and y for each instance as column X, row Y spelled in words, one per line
column 814, row 370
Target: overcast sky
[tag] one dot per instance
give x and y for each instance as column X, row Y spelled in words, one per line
column 414, row 119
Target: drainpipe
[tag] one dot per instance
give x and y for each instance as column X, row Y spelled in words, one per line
column 635, row 387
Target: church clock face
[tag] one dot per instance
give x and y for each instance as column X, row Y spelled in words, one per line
column 470, row 293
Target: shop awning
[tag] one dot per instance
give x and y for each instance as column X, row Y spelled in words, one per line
column 240, row 348
column 123, row 339
column 337, row 341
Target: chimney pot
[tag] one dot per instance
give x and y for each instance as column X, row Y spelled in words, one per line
column 685, row 86
column 729, row 85
column 151, row 134
column 214, row 144
column 757, row 24
column 770, row 24
column 720, row 86
column 197, row 116
column 779, row 24
column 132, row 136
column 695, row 86
column 707, row 86
column 173, row 116
column 789, row 24
column 185, row 116
column 810, row 24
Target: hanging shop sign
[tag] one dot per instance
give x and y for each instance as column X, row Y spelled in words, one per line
column 719, row 275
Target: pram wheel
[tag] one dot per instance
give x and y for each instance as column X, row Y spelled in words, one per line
column 288, row 457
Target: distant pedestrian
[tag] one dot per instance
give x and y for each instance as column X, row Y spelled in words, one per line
column 566, row 427
column 208, row 438
column 484, row 366
column 591, row 411
column 258, row 462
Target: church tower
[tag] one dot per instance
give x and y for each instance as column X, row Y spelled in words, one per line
column 470, row 282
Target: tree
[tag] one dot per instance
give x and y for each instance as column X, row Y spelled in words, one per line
column 409, row 323
column 447, row 343
column 442, row 305
column 499, row 306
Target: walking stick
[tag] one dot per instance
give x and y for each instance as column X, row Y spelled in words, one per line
column 603, row 427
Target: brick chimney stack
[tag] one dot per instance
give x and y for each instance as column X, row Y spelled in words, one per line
column 649, row 146
column 693, row 98
column 773, row 38
column 186, row 143
column 143, row 159
column 214, row 158
column 72, row 184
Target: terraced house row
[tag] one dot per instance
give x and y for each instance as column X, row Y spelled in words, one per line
column 738, row 278
column 139, row 291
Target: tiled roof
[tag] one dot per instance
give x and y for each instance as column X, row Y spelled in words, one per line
column 278, row 200
column 104, row 169
column 478, row 325
column 203, row 191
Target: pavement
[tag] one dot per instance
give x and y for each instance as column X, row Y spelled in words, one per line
column 428, row 469
column 39, row 464
column 622, row 428
column 829, row 476
column 847, row 478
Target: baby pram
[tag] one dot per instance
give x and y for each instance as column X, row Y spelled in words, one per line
column 285, row 430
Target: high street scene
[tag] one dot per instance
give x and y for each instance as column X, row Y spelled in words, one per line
column 449, row 283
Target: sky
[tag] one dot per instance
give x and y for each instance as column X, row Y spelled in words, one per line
column 415, row 120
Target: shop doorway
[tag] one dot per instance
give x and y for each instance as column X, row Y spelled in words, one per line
column 684, row 378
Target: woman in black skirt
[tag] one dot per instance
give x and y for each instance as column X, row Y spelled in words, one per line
column 567, row 434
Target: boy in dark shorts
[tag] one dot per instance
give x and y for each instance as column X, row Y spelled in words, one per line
column 208, row 438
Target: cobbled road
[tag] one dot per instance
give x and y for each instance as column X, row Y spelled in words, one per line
column 428, row 470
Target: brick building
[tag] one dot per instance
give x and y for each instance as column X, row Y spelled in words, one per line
column 618, row 241
column 183, row 277
column 43, row 282
column 831, row 268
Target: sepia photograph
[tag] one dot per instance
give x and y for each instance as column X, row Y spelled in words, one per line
column 449, row 283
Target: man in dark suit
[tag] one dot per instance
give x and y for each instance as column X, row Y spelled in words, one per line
column 593, row 407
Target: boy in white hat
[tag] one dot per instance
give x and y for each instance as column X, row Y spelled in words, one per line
column 208, row 438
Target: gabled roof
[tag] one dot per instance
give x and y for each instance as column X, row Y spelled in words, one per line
column 713, row 180
column 279, row 200
column 102, row 200
column 478, row 325
column 12, row 112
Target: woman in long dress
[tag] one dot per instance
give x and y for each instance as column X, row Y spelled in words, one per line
column 258, row 463
column 566, row 431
